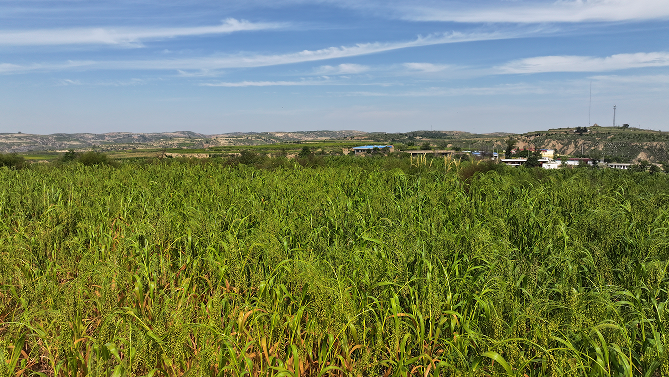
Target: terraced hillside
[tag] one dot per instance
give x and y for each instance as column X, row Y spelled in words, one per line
column 610, row 143
column 19, row 142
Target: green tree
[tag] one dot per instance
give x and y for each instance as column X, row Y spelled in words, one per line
column 425, row 146
column 596, row 156
column 533, row 160
column 91, row 158
column 70, row 155
column 305, row 152
column 510, row 144
column 12, row 160
column 643, row 165
column 249, row 158
column 581, row 130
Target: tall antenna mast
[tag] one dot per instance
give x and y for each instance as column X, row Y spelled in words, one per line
column 590, row 105
column 614, row 115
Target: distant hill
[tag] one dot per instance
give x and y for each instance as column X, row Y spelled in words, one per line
column 619, row 144
column 612, row 143
column 19, row 142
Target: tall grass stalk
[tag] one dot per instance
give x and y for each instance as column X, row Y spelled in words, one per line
column 374, row 266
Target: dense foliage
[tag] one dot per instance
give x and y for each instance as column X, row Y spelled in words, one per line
column 12, row 160
column 89, row 158
column 366, row 266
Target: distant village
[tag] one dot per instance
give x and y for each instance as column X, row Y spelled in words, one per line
column 545, row 158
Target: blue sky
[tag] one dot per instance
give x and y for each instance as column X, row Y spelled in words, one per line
column 287, row 65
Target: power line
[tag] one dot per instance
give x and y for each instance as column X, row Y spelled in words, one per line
column 590, row 105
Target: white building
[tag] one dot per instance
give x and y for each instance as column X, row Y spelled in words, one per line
column 552, row 164
column 617, row 165
column 546, row 163
column 514, row 161
column 365, row 149
column 578, row 161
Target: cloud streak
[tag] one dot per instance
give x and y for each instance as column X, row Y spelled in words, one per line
column 244, row 84
column 645, row 80
column 342, row 69
column 544, row 64
column 123, row 36
column 115, row 83
column 538, row 12
column 512, row 11
column 244, row 60
column 426, row 67
column 8, row 68
column 248, row 61
column 510, row 89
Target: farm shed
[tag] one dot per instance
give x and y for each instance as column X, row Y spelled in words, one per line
column 617, row 165
column 546, row 163
column 513, row 161
column 432, row 152
column 364, row 149
column 577, row 161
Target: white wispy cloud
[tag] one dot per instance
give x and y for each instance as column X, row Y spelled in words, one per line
column 199, row 73
column 115, row 83
column 513, row 11
column 323, row 80
column 264, row 83
column 342, row 69
column 67, row 82
column 508, row 89
column 640, row 79
column 586, row 63
column 123, row 36
column 426, row 67
column 535, row 11
column 246, row 60
column 9, row 68
column 602, row 85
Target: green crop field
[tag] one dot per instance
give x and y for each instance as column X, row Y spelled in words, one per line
column 342, row 267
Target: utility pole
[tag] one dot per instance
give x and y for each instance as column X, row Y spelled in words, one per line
column 590, row 105
column 614, row 115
